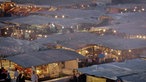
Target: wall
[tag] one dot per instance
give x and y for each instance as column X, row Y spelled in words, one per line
column 71, row 64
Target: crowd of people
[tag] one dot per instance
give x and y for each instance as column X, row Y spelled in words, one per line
column 4, row 75
column 18, row 76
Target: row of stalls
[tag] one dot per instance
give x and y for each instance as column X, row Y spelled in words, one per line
column 95, row 48
column 128, row 71
column 43, row 23
column 127, row 25
column 27, row 56
column 35, row 31
column 48, row 63
column 126, row 8
column 6, row 29
column 9, row 9
column 30, row 27
column 5, row 7
column 28, row 31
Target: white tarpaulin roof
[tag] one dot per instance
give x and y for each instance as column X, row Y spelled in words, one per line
column 128, row 17
column 5, row 0
column 36, row 20
column 54, row 2
column 136, row 28
column 71, row 40
column 32, row 19
column 128, row 68
column 75, row 13
column 79, row 40
column 140, row 77
column 129, row 23
column 2, row 25
column 10, row 46
column 125, row 44
column 122, row 6
column 44, row 57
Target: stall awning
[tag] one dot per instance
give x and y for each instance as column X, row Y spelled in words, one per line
column 2, row 25
column 125, row 44
column 44, row 57
column 10, row 46
column 81, row 39
column 135, row 78
column 72, row 40
column 128, row 69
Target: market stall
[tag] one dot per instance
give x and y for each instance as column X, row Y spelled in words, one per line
column 10, row 47
column 48, row 63
column 128, row 71
column 113, row 47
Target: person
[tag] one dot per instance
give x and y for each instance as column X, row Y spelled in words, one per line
column 17, row 79
column 16, row 73
column 3, row 74
column 20, row 78
column 34, row 77
column 82, row 78
column 73, row 79
column 75, row 76
column 8, row 78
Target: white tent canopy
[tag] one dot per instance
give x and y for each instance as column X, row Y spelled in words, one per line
column 44, row 57
column 53, row 3
column 39, row 20
column 10, row 46
column 136, row 28
column 81, row 39
column 127, row 70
